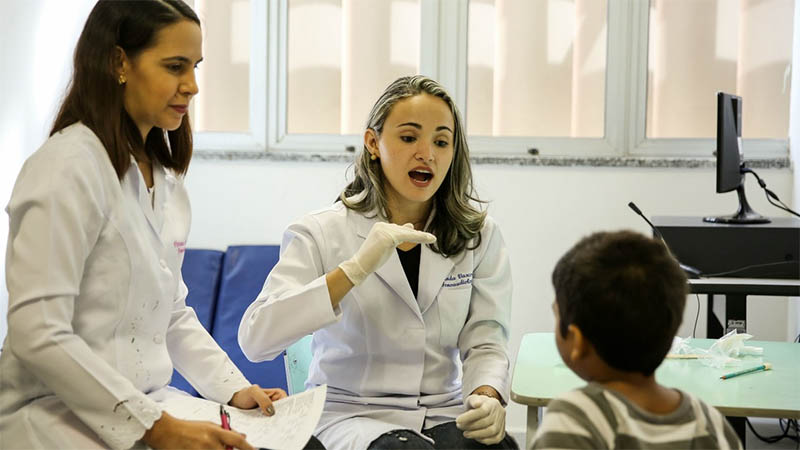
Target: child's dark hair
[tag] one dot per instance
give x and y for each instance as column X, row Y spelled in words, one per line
column 626, row 293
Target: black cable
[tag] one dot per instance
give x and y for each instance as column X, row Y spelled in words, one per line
column 747, row 267
column 697, row 315
column 771, row 439
column 770, row 195
column 784, row 207
column 796, row 431
column 791, row 423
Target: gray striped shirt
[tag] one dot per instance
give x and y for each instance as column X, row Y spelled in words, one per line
column 594, row 417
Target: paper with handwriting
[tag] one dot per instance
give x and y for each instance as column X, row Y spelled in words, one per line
column 290, row 428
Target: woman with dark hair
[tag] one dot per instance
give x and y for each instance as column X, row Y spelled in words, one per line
column 406, row 287
column 98, row 223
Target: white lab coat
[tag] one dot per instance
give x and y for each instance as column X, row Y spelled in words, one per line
column 96, row 313
column 390, row 360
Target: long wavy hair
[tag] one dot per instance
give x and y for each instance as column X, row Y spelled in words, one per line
column 94, row 96
column 456, row 221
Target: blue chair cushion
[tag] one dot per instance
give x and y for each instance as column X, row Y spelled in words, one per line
column 201, row 273
column 244, row 270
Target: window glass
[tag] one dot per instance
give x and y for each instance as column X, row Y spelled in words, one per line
column 341, row 55
column 536, row 68
column 700, row 47
column 223, row 103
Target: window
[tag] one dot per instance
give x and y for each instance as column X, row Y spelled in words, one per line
column 224, row 75
column 536, row 68
column 737, row 47
column 340, row 55
column 230, row 111
column 568, row 77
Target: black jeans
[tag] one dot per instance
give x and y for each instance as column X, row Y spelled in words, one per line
column 445, row 436
column 312, row 444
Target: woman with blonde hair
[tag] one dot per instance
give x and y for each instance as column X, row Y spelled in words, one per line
column 404, row 284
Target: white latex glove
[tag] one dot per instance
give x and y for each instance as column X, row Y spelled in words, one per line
column 484, row 421
column 381, row 241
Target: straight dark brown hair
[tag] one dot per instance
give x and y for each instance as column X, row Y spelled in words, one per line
column 95, row 98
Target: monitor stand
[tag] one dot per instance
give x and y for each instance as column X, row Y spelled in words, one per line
column 744, row 214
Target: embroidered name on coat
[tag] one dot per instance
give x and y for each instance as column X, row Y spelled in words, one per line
column 459, row 279
column 180, row 246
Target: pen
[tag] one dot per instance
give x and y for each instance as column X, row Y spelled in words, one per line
column 765, row 366
column 225, row 418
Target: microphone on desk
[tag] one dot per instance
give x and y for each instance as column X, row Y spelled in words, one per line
column 691, row 272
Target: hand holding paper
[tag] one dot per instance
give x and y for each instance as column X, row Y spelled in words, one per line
column 289, row 428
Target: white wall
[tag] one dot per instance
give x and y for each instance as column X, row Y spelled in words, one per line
column 36, row 52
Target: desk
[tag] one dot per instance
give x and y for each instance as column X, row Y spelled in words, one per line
column 750, row 251
column 733, row 312
column 745, row 286
column 540, row 375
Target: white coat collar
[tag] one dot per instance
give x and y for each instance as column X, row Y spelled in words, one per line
column 161, row 182
column 433, row 268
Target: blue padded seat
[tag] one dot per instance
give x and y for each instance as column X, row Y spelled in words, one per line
column 201, row 273
column 244, row 270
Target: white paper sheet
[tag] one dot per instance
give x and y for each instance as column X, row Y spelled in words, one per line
column 290, row 428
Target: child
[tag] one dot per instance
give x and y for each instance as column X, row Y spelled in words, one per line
column 619, row 301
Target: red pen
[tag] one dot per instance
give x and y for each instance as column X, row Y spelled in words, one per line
column 226, row 424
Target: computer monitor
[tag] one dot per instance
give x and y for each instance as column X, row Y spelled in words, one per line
column 730, row 161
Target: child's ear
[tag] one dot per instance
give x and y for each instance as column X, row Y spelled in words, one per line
column 580, row 346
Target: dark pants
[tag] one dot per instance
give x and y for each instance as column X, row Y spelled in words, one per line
column 445, row 436
column 312, row 444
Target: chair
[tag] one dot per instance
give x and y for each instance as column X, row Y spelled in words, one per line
column 244, row 270
column 201, row 272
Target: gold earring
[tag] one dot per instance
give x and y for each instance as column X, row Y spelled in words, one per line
column 122, row 80
column 372, row 156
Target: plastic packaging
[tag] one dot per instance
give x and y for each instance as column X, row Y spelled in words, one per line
column 724, row 352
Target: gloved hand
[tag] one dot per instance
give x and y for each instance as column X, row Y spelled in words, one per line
column 381, row 241
column 484, row 421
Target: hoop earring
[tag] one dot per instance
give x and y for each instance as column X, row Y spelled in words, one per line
column 122, row 80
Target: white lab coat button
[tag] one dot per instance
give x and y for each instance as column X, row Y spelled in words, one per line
column 158, row 339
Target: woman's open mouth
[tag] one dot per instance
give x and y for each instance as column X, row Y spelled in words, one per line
column 420, row 177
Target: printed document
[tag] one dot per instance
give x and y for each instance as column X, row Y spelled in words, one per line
column 290, row 428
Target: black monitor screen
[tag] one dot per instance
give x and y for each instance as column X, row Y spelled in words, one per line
column 730, row 165
column 729, row 141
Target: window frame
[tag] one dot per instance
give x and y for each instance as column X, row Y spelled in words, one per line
column 443, row 56
column 639, row 145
